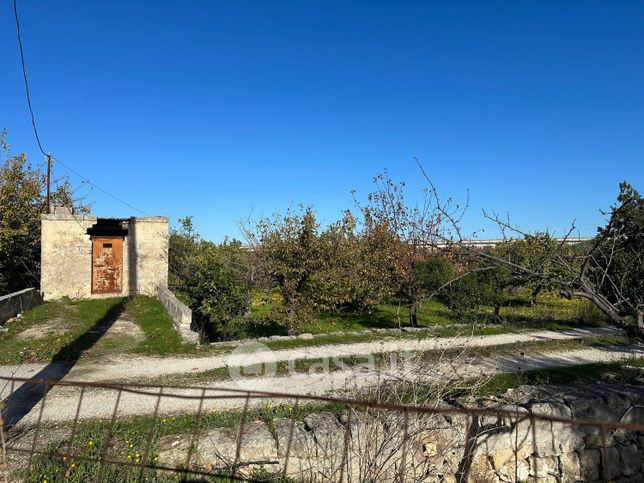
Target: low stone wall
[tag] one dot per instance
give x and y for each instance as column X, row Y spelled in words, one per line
column 445, row 448
column 17, row 302
column 180, row 314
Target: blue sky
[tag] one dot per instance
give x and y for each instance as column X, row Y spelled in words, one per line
column 223, row 110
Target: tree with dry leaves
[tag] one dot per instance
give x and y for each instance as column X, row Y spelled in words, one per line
column 403, row 236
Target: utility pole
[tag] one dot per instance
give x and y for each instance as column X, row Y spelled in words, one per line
column 48, row 183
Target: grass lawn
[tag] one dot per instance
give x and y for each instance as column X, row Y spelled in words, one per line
column 66, row 330
column 551, row 312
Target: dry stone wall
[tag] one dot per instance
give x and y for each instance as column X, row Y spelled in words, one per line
column 440, row 448
column 17, row 302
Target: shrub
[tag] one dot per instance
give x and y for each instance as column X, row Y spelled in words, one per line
column 212, row 278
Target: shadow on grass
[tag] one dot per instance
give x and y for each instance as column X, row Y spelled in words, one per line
column 29, row 394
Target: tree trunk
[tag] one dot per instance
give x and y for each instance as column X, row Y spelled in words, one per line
column 497, row 312
column 291, row 319
column 413, row 319
column 533, row 296
column 639, row 316
column 632, row 331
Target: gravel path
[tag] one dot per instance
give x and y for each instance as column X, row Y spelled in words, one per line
column 61, row 402
column 139, row 368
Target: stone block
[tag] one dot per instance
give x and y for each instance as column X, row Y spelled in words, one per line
column 631, row 460
column 590, row 462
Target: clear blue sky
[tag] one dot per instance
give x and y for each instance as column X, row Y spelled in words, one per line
column 225, row 109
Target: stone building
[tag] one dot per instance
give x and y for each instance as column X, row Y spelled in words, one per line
column 90, row 257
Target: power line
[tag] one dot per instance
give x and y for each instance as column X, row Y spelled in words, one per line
column 24, row 76
column 35, row 129
column 90, row 182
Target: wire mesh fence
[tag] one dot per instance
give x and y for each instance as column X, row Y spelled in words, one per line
column 109, row 432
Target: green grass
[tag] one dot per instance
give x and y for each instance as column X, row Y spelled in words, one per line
column 580, row 374
column 552, row 312
column 74, row 318
column 79, row 327
column 77, row 321
column 160, row 336
column 132, row 436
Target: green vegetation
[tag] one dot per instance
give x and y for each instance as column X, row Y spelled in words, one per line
column 22, row 201
column 136, row 441
column 628, row 372
column 389, row 266
column 617, row 265
column 211, row 278
column 66, row 330
column 552, row 312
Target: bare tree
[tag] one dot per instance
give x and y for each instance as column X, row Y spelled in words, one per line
column 608, row 274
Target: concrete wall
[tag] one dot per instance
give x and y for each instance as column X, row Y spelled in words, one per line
column 66, row 256
column 17, row 302
column 180, row 314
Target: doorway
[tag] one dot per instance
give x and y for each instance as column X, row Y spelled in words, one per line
column 107, row 265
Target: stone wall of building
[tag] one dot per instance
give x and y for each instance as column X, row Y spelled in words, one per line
column 145, row 255
column 66, row 256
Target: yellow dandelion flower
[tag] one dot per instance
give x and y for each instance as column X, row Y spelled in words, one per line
column 73, row 465
column 90, row 442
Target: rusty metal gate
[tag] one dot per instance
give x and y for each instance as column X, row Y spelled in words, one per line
column 107, row 264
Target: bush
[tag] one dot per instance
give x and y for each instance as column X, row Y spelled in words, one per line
column 212, row 278
column 218, row 292
column 434, row 272
column 463, row 295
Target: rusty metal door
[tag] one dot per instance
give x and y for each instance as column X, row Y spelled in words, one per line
column 107, row 264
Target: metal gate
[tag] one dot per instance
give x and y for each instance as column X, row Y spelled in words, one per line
column 107, row 264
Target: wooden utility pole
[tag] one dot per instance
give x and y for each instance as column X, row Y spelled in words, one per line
column 48, row 184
